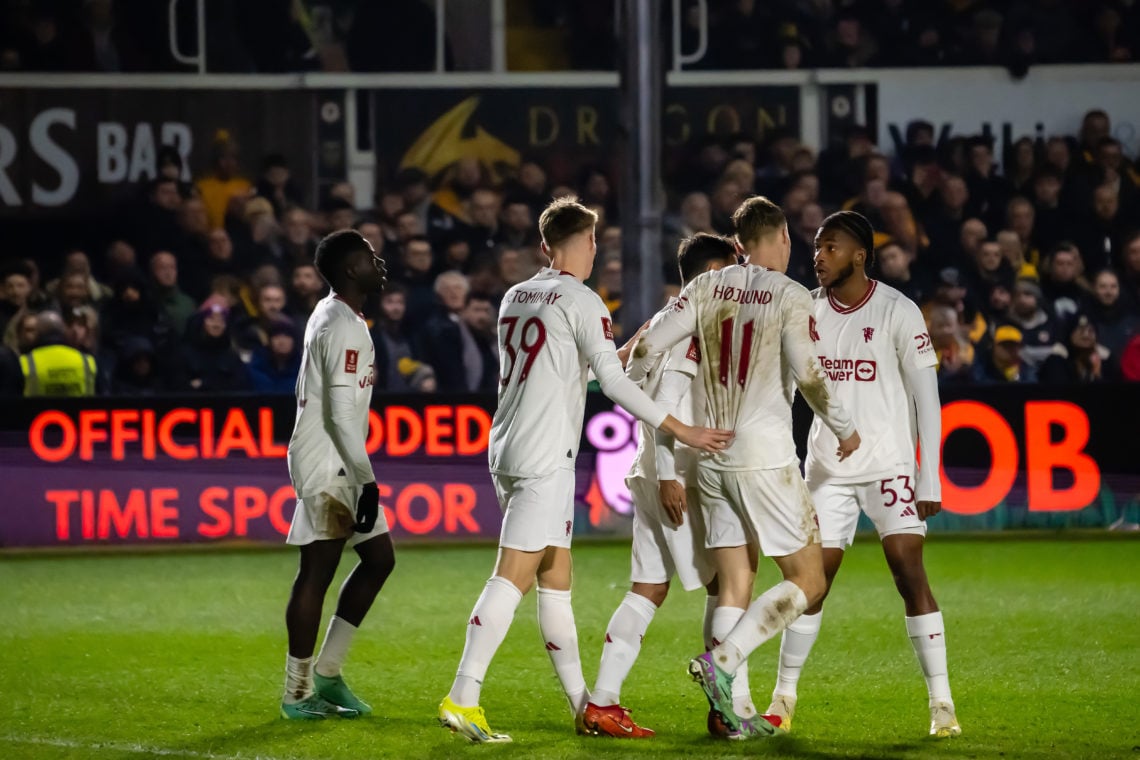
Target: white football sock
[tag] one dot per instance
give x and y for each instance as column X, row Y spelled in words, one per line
column 335, row 647
column 623, row 643
column 795, row 646
column 706, row 624
column 298, row 679
column 723, row 621
column 928, row 637
column 768, row 614
column 556, row 621
column 486, row 628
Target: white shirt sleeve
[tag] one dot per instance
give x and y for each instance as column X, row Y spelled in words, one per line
column 674, row 383
column 341, row 367
column 593, row 332
column 665, row 332
column 911, row 339
column 922, row 387
column 795, row 339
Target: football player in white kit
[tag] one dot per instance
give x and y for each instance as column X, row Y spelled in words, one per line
column 662, row 486
column 552, row 331
column 753, row 325
column 877, row 359
column 337, row 497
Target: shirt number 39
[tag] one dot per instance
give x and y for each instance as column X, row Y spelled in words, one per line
column 530, row 339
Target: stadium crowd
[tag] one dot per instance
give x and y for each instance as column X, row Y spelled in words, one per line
column 357, row 35
column 1027, row 265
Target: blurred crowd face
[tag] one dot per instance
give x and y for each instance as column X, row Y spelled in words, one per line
column 479, row 315
column 894, row 262
column 742, row 173
column 989, row 256
column 214, row 325
column 517, row 216
column 1024, row 157
column 1132, row 258
column 1000, row 299
column 954, row 193
column 306, row 281
column 981, row 159
column 727, row 197
column 810, row 220
column 121, row 256
column 393, row 306
column 532, row 177
column 1007, row 354
column 16, row 289
column 1105, row 203
column 78, row 333
column 1083, row 335
column 220, row 246
column 1021, row 218
column 164, row 269
column 281, row 345
column 1024, row 302
column 391, row 205
column 468, row 173
column 877, row 168
column 372, row 232
column 696, row 212
column 485, row 206
column 1110, row 156
column 944, row 329
column 610, row 278
column 1047, row 191
column 27, row 333
column 417, row 256
column 1094, row 128
column 73, row 291
column 270, row 302
column 875, row 191
column 342, row 219
column 298, row 228
column 1066, row 266
column 408, row 225
column 452, row 291
column 1106, row 288
column 192, row 217
column 166, row 196
column 1010, row 244
column 1057, row 153
column 77, row 262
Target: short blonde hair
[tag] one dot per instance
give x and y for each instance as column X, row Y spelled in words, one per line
column 564, row 218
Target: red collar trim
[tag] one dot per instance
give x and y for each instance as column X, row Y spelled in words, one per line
column 564, row 272
column 840, row 308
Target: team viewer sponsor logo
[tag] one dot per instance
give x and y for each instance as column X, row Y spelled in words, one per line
column 841, row 370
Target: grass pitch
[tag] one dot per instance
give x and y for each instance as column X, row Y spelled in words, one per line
column 182, row 656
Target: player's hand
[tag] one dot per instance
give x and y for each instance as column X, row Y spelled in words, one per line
column 705, row 439
column 848, row 446
column 367, row 508
column 928, row 509
column 673, row 500
column 627, row 348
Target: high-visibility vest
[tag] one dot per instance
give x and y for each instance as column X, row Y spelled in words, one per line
column 58, row 371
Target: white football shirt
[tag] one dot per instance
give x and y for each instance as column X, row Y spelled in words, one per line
column 863, row 350
column 338, row 352
column 752, row 324
column 551, row 328
column 684, row 358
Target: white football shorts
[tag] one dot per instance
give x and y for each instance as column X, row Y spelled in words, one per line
column 661, row 548
column 771, row 508
column 889, row 503
column 537, row 512
column 331, row 514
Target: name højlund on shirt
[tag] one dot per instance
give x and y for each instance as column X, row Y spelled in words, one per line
column 742, row 296
column 533, row 296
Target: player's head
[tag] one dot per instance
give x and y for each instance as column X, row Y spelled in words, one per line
column 702, row 253
column 844, row 246
column 762, row 233
column 347, row 262
column 566, row 225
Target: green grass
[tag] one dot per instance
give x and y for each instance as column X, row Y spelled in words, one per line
column 182, row 655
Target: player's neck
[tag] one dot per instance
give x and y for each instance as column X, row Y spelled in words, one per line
column 767, row 256
column 852, row 290
column 564, row 261
column 354, row 300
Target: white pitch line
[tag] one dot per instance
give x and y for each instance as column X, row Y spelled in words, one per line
column 137, row 749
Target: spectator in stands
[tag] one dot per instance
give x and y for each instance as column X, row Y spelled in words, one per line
column 1013, row 252
column 1116, row 320
column 77, row 262
column 1079, row 358
column 130, row 313
column 373, row 232
column 485, row 277
column 990, row 269
column 11, row 376
column 274, row 367
column 725, row 200
column 1003, row 363
column 1130, row 268
column 136, row 372
column 166, row 293
column 448, row 208
column 224, row 190
column 81, row 327
column 418, row 277
column 483, row 208
column 22, row 331
column 594, row 189
column 895, row 270
column 608, row 287
column 1050, row 220
column 1021, row 165
column 943, row 219
column 1102, row 232
column 850, row 47
column 1028, row 314
column 456, row 254
column 801, row 261
column 397, row 369
column 120, row 258
column 415, row 195
column 340, row 214
column 480, row 353
column 970, row 239
column 54, row 368
column 209, row 363
column 299, row 244
column 989, row 193
column 517, row 227
column 408, row 226
column 252, row 332
column 277, row 184
column 1063, row 282
column 194, row 226
column 1110, row 40
column 306, row 289
column 220, row 260
column 154, row 224
column 1020, row 218
column 71, row 293
column 444, row 341
column 955, row 352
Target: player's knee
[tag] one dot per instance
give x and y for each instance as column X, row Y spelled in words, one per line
column 381, row 567
column 813, row 584
column 654, row 592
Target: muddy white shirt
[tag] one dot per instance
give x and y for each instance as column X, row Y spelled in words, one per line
column 864, row 351
column 334, row 390
column 753, row 327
